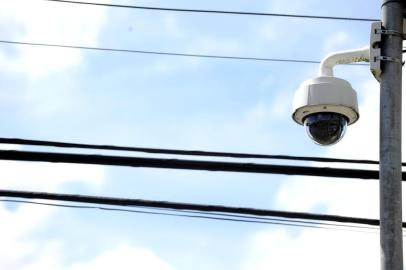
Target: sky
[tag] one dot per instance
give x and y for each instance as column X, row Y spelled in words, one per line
column 182, row 103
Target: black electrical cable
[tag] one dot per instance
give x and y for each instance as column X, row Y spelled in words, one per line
column 216, row 216
column 262, row 218
column 188, row 164
column 166, row 53
column 218, row 11
column 165, row 214
column 19, row 141
column 186, row 206
column 183, row 211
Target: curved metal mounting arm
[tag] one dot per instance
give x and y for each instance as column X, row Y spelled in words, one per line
column 343, row 57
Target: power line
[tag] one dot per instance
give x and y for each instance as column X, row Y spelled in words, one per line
column 318, row 223
column 188, row 164
column 166, row 53
column 19, row 141
column 214, row 216
column 219, row 11
column 254, row 219
column 165, row 214
column 196, row 214
column 159, row 52
column 186, row 206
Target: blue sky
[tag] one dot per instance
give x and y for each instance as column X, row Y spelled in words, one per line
column 186, row 103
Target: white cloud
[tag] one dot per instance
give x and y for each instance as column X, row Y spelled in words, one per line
column 313, row 249
column 264, row 112
column 281, row 106
column 47, row 22
column 16, row 225
column 48, row 176
column 171, row 26
column 215, row 45
column 336, row 42
column 48, row 256
column 124, row 258
column 294, row 7
column 21, row 254
column 269, row 31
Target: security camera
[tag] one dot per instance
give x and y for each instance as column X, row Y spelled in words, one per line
column 325, row 106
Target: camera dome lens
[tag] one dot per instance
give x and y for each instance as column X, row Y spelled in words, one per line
column 325, row 128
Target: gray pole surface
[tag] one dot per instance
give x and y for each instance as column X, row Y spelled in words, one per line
column 390, row 139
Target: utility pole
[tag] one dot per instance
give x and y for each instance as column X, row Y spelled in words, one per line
column 390, row 136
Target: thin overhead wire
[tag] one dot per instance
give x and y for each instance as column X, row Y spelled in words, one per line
column 218, row 11
column 159, row 52
column 19, row 141
column 183, row 164
column 126, row 202
column 166, row 53
column 213, row 216
column 264, row 218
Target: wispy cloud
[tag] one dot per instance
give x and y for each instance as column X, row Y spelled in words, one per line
column 41, row 21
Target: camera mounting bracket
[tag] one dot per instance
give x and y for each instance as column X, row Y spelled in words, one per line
column 375, row 55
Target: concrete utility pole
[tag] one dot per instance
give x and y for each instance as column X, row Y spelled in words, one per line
column 390, row 136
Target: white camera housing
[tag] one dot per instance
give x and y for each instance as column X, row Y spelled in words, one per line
column 325, row 94
column 326, row 104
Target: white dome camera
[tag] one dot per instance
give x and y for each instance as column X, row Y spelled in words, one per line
column 325, row 105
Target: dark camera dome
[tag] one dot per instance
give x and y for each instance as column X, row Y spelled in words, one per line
column 325, row 128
